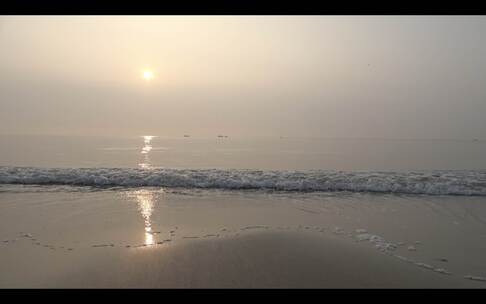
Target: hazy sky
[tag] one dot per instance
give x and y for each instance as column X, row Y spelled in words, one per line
column 326, row 76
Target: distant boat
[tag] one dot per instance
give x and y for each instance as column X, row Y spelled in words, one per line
column 185, row 135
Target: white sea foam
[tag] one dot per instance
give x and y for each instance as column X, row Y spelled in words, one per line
column 377, row 240
column 432, row 183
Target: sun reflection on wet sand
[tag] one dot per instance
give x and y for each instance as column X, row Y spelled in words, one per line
column 145, row 197
column 145, row 200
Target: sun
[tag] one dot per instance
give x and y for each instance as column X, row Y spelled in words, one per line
column 147, row 74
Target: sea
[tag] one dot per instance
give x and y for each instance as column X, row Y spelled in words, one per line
column 420, row 200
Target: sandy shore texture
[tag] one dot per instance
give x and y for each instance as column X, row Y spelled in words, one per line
column 148, row 238
column 256, row 260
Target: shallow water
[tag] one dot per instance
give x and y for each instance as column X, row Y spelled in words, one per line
column 294, row 164
column 421, row 202
column 284, row 153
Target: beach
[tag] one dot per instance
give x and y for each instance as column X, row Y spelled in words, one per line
column 156, row 212
column 82, row 237
column 242, row 151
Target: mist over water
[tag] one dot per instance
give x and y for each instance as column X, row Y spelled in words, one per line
column 412, row 77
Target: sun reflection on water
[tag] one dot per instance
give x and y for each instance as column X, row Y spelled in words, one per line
column 147, row 147
column 145, row 197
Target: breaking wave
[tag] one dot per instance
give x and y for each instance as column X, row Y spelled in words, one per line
column 430, row 182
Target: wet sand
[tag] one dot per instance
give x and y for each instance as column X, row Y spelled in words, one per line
column 149, row 238
column 256, row 260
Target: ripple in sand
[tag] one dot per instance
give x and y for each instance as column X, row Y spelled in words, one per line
column 103, row 245
column 162, row 242
column 475, row 278
column 378, row 241
column 423, row 265
column 254, row 227
column 138, row 246
column 404, row 259
column 338, row 230
column 442, row 270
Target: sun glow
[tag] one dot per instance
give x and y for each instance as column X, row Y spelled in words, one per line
column 147, row 74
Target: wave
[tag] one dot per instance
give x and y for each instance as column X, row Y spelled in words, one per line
column 430, row 182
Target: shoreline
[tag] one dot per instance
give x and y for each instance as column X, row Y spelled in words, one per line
column 146, row 238
column 257, row 259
